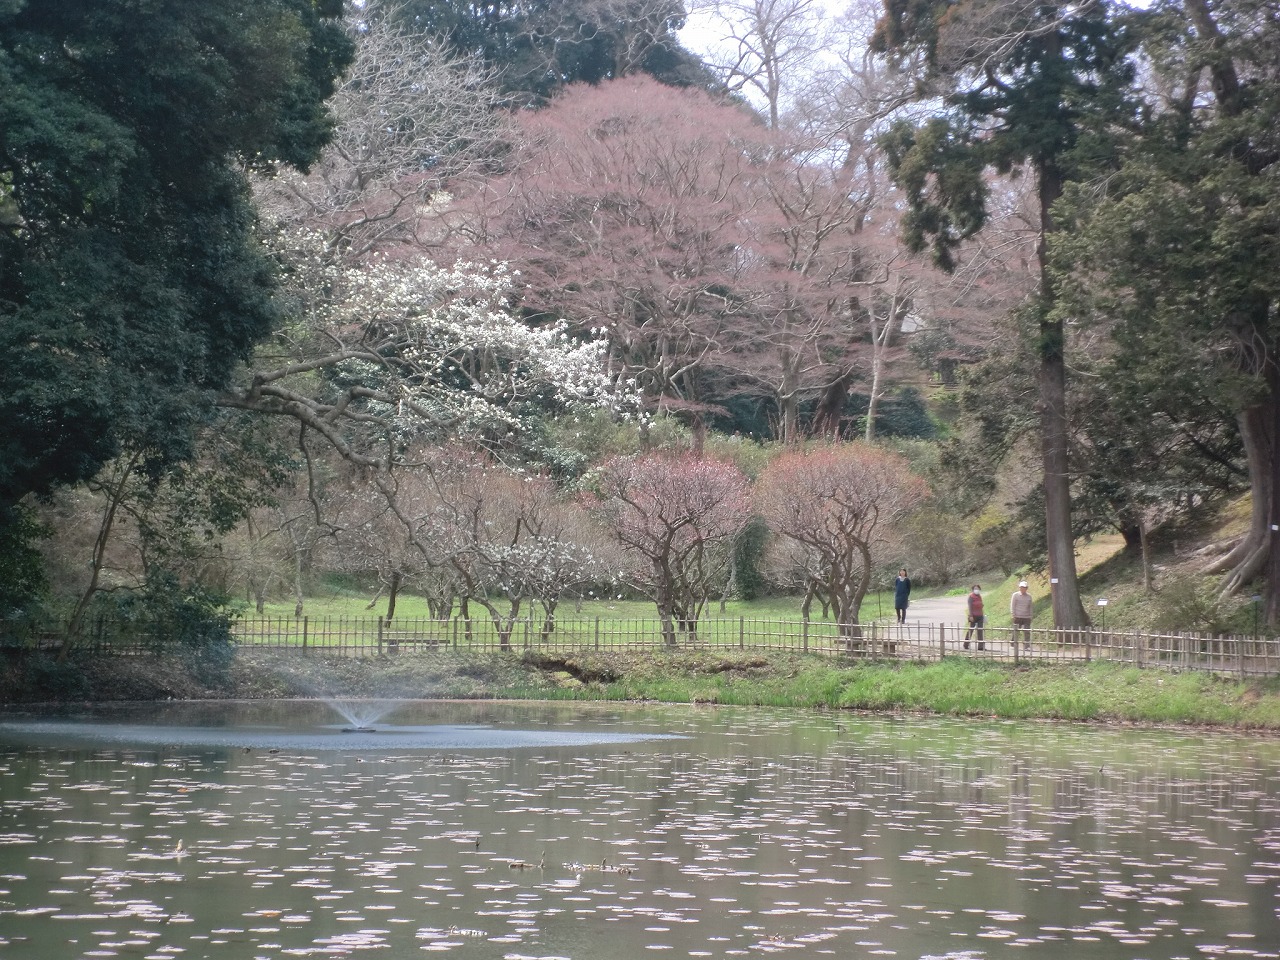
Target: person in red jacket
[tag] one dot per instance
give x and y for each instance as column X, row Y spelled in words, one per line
column 977, row 621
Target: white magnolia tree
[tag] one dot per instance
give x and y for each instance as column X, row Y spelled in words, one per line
column 386, row 350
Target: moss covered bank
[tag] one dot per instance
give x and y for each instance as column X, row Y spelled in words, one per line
column 1097, row 692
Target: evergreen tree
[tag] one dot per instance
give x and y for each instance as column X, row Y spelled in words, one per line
column 130, row 276
column 539, row 46
column 1031, row 86
column 1175, row 251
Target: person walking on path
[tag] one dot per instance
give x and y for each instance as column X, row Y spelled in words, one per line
column 901, row 594
column 1021, row 609
column 977, row 621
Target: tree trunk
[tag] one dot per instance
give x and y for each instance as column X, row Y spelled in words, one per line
column 698, row 435
column 1271, row 597
column 881, row 341
column 464, row 611
column 826, row 419
column 1064, row 589
column 1253, row 424
column 393, row 591
column 1134, row 531
column 548, row 618
column 115, row 495
column 873, row 401
column 1146, row 555
column 731, row 584
column 1258, row 554
column 297, row 583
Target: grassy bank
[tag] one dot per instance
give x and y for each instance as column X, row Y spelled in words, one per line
column 1097, row 692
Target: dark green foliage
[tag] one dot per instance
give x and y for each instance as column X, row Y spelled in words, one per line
column 903, row 414
column 747, row 414
column 183, row 507
column 130, row 278
column 939, row 166
column 22, row 579
column 46, row 678
column 542, row 45
column 1062, row 80
column 184, row 618
column 748, row 550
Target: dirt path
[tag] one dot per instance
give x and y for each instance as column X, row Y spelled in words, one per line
column 931, row 619
column 933, row 610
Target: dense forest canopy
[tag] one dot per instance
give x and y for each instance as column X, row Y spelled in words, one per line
column 131, row 279
column 465, row 298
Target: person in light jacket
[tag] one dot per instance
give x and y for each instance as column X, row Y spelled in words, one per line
column 901, row 594
column 1021, row 609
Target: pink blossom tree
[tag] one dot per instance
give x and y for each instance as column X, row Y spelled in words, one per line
column 633, row 208
column 675, row 518
column 839, row 503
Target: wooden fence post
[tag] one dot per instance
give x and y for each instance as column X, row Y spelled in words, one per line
column 742, row 633
column 305, row 622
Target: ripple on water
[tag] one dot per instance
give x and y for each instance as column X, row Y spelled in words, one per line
column 760, row 833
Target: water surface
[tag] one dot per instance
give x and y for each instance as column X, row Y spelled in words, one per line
column 520, row 831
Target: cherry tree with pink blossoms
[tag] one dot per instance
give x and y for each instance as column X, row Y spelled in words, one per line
column 675, row 519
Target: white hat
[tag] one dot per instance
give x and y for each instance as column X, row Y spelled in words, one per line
column 1022, row 583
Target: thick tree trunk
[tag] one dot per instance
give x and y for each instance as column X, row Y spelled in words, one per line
column 1272, row 595
column 1255, row 555
column 1067, row 608
column 698, row 435
column 1254, row 425
column 1133, row 531
column 826, row 419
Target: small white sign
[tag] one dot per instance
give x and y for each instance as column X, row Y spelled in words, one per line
column 1102, row 601
column 1053, row 579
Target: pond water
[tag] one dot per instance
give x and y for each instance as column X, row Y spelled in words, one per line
column 548, row 831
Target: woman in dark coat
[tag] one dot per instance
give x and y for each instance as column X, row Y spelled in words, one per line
column 901, row 593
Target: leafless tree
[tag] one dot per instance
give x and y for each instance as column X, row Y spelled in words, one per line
column 763, row 48
column 414, row 124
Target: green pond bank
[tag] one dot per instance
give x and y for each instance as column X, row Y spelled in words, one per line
column 1097, row 692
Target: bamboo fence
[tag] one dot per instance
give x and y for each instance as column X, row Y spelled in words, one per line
column 1243, row 656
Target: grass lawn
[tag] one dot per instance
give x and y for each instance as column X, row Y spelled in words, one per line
column 352, row 604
